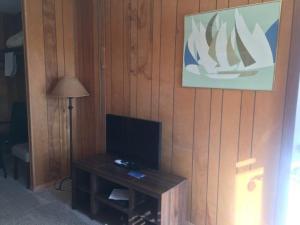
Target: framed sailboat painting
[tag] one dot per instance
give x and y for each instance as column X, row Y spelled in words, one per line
column 232, row 49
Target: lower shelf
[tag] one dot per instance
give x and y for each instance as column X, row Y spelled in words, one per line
column 108, row 215
column 119, row 205
column 81, row 201
column 146, row 212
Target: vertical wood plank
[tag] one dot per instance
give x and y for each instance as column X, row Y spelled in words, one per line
column 201, row 134
column 117, row 51
column 97, row 136
column 133, row 67
column 126, row 57
column 184, row 107
column 145, row 42
column 246, row 127
column 247, row 117
column 228, row 148
column 53, row 115
column 214, row 156
column 102, row 92
column 156, row 18
column 63, row 129
column 201, row 156
column 216, row 103
column 168, row 32
column 228, row 157
column 68, row 8
column 36, row 83
column 68, row 35
column 108, row 57
column 86, row 55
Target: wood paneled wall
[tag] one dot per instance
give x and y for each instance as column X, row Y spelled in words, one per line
column 50, row 55
column 89, row 136
column 129, row 56
column 213, row 137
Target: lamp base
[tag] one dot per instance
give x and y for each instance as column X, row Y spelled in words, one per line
column 59, row 187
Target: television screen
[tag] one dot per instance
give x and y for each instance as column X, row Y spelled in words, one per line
column 133, row 139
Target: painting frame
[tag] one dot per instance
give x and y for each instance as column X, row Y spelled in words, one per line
column 228, row 49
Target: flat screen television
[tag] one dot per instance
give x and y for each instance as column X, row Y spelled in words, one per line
column 135, row 140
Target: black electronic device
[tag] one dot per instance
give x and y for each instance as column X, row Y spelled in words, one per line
column 134, row 140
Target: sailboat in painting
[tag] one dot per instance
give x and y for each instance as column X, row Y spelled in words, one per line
column 220, row 52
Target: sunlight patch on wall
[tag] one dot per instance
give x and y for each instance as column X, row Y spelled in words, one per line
column 248, row 195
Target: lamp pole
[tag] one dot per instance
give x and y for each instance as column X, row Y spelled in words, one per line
column 71, row 133
column 70, row 107
column 69, row 87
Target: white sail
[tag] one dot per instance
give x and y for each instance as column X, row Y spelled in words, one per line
column 256, row 43
column 221, row 49
column 202, row 48
column 229, row 55
column 233, row 43
column 221, row 46
column 217, row 23
column 263, row 57
column 192, row 40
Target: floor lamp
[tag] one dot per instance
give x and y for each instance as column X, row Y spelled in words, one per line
column 69, row 87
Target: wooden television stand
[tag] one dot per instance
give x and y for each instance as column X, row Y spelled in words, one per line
column 158, row 198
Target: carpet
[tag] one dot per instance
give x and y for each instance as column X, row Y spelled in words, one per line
column 20, row 206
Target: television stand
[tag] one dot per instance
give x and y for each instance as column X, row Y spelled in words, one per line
column 158, row 198
column 126, row 164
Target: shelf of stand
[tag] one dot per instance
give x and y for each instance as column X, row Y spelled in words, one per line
column 81, row 201
column 85, row 189
column 146, row 208
column 153, row 200
column 111, row 216
column 82, row 181
column 147, row 212
column 119, row 205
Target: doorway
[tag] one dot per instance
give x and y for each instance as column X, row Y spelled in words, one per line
column 294, row 182
column 14, row 150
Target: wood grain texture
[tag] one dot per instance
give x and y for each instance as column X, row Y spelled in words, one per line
column 126, row 56
column 184, row 106
column 89, row 111
column 117, row 56
column 167, row 78
column 51, row 68
column 37, row 91
column 156, row 37
column 50, row 54
column 173, row 205
column 206, row 132
column 133, row 62
column 144, row 58
column 107, row 56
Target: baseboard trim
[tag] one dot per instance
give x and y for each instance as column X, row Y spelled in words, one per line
column 45, row 186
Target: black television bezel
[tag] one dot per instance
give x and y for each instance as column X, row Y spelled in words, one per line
column 159, row 123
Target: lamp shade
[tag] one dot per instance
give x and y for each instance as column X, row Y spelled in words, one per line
column 69, row 87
